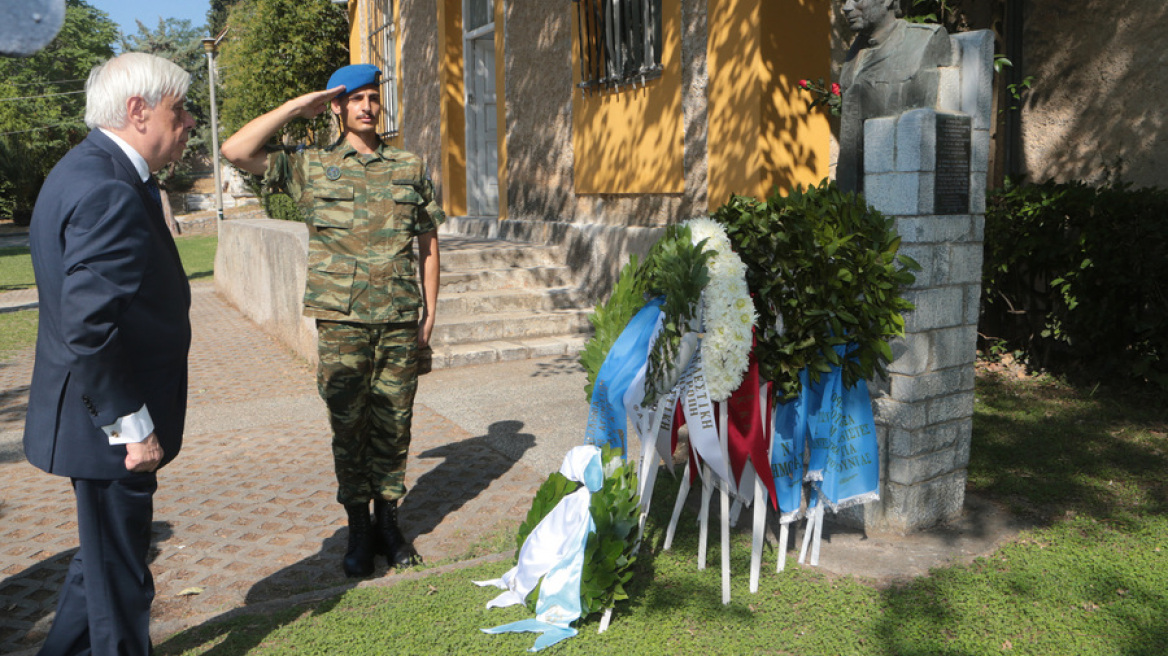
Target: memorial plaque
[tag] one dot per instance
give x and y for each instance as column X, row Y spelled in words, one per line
column 951, row 185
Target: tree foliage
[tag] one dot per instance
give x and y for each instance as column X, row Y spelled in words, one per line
column 277, row 50
column 217, row 15
column 1075, row 279
column 42, row 104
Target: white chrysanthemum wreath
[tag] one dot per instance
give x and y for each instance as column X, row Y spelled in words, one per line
column 728, row 314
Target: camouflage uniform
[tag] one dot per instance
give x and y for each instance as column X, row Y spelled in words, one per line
column 363, row 213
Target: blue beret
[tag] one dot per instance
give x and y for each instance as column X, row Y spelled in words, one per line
column 354, row 77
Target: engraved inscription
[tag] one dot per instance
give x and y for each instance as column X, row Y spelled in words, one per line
column 951, row 186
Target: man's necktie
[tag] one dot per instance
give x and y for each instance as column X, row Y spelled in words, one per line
column 152, row 185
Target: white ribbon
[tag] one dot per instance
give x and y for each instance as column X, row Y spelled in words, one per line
column 554, row 551
column 699, row 417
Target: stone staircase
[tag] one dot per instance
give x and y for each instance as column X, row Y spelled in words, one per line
column 505, row 300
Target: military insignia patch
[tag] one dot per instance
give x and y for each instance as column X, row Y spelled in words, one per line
column 332, row 173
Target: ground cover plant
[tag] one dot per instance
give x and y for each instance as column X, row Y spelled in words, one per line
column 1092, row 578
column 17, row 332
column 197, row 253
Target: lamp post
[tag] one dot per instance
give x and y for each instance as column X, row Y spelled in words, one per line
column 211, row 46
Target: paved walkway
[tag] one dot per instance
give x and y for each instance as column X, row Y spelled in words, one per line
column 247, row 513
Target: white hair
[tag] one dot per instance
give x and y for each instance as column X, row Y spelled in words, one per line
column 113, row 82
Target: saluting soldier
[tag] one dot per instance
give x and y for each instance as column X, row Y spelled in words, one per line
column 364, row 202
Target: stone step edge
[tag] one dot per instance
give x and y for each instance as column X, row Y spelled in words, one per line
column 455, row 319
column 490, row 352
column 561, row 291
column 496, row 269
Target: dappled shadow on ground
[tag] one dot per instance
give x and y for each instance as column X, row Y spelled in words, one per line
column 1087, row 465
column 233, row 633
column 1085, row 454
column 564, row 365
column 316, row 583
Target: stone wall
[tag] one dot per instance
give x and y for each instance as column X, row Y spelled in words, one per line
column 421, row 110
column 1100, row 95
column 260, row 268
column 924, row 410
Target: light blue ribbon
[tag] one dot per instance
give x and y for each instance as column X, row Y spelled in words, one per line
column 852, row 472
column 789, row 423
column 564, row 538
column 607, row 422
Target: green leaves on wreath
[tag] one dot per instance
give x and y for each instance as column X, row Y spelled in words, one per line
column 677, row 269
column 610, row 318
column 674, row 268
column 555, row 488
column 825, row 264
column 608, row 556
column 615, row 509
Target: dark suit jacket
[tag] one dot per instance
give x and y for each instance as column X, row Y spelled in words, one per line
column 114, row 315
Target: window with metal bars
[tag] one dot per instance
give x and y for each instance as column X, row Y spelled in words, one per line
column 383, row 55
column 620, row 42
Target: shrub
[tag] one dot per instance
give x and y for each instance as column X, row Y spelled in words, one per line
column 280, row 206
column 823, row 268
column 1076, row 278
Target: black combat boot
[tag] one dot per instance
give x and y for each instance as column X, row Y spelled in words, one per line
column 397, row 550
column 359, row 556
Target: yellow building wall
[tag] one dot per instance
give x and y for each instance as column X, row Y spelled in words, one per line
column 453, row 101
column 631, row 142
column 357, row 10
column 761, row 134
column 454, row 106
column 734, row 94
column 362, row 13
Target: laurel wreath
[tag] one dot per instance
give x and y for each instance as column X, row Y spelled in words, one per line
column 674, row 268
column 608, row 554
column 824, row 271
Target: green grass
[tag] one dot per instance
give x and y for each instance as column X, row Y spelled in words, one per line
column 1092, row 579
column 17, row 332
column 18, row 329
column 15, row 269
column 197, row 253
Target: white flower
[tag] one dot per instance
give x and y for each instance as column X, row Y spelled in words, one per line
column 728, row 313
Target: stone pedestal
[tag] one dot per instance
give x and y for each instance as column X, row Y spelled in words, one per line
column 927, row 169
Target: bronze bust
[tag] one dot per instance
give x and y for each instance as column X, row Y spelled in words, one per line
column 891, row 67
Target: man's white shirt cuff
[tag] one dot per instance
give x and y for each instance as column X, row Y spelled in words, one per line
column 131, row 428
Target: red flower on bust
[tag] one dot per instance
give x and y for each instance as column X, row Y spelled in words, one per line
column 823, row 94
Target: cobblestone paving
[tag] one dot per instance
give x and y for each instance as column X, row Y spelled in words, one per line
column 247, row 512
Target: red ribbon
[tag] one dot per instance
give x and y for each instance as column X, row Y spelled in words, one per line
column 746, row 434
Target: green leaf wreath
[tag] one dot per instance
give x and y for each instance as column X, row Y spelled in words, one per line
column 824, row 271
column 610, row 318
column 608, row 555
column 674, row 268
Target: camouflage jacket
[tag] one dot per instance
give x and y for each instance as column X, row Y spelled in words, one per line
column 363, row 213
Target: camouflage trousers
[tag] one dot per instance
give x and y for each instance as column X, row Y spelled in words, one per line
column 368, row 375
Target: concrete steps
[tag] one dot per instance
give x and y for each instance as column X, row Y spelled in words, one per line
column 503, row 300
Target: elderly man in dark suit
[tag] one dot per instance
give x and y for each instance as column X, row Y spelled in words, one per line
column 108, row 395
